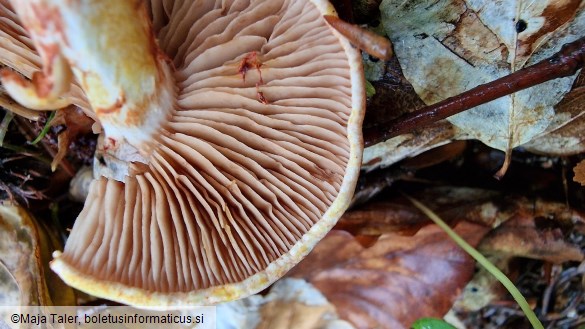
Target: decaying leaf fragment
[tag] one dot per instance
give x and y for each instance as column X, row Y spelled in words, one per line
column 291, row 303
column 568, row 138
column 536, row 235
column 484, row 207
column 519, row 227
column 521, row 237
column 406, row 146
column 580, row 173
column 395, row 281
column 25, row 251
column 76, row 123
column 449, row 46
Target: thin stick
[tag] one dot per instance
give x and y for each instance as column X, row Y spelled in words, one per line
column 565, row 63
column 368, row 41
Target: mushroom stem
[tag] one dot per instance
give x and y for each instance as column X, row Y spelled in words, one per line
column 110, row 48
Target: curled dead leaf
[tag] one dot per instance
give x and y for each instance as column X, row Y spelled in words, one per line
column 25, row 251
column 536, row 234
column 484, row 288
column 395, row 281
column 76, row 123
column 521, row 236
column 453, row 204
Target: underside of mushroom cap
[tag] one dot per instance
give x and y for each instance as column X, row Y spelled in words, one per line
column 258, row 161
column 18, row 53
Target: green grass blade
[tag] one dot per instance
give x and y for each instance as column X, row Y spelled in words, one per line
column 4, row 125
column 509, row 285
column 45, row 128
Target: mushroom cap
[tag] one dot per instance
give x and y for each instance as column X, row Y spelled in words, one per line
column 259, row 159
column 19, row 54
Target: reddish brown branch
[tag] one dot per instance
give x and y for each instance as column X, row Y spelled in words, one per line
column 564, row 63
column 368, row 41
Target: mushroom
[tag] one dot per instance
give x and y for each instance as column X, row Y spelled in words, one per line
column 230, row 147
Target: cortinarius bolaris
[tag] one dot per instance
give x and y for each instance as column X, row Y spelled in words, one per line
column 231, row 137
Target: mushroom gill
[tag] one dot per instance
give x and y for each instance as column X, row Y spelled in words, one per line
column 226, row 187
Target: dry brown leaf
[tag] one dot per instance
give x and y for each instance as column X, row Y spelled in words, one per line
column 446, row 47
column 76, row 123
column 521, row 237
column 378, row 217
column 435, row 156
column 517, row 233
column 394, row 282
column 452, row 204
column 580, row 173
column 479, row 206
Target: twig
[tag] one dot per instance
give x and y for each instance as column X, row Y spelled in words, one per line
column 368, row 41
column 565, row 63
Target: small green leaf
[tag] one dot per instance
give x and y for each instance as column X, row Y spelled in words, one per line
column 431, row 323
column 370, row 90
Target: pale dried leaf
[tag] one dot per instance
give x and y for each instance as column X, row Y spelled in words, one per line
column 450, row 46
column 484, row 288
column 406, row 146
column 291, row 303
column 567, row 139
column 25, row 248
